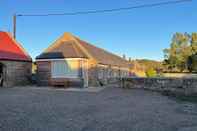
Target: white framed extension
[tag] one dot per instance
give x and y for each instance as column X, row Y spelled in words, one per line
column 123, row 71
column 69, row 68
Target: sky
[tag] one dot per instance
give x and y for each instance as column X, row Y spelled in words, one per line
column 139, row 33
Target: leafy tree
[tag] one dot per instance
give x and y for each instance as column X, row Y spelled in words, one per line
column 194, row 43
column 177, row 55
column 192, row 63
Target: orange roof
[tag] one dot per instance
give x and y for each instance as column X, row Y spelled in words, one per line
column 11, row 50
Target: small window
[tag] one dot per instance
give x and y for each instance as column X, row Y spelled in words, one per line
column 65, row 69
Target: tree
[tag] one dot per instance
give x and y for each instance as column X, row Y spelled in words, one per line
column 194, row 43
column 177, row 55
column 192, row 63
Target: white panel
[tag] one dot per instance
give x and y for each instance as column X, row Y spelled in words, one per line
column 65, row 69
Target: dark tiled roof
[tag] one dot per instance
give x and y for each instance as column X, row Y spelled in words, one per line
column 66, row 49
column 102, row 56
column 69, row 46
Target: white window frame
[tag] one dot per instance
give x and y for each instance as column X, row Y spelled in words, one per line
column 70, row 75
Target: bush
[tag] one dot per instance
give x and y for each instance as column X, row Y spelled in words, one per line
column 151, row 73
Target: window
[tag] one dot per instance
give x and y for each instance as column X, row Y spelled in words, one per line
column 65, row 69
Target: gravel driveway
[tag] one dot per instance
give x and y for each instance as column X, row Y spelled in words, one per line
column 111, row 109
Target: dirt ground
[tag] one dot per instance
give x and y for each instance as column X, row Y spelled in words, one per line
column 109, row 109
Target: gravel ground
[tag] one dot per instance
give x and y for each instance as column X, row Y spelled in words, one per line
column 111, row 109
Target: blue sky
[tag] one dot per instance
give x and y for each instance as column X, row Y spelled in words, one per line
column 138, row 33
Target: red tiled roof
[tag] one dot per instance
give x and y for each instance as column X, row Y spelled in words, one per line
column 11, row 50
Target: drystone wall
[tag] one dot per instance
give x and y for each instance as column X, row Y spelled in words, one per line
column 183, row 86
column 98, row 75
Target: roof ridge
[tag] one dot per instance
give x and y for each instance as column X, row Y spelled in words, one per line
column 68, row 37
column 92, row 52
column 74, row 46
column 103, row 50
column 59, row 41
column 83, row 49
column 114, row 57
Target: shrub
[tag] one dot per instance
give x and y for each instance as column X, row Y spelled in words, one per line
column 151, row 73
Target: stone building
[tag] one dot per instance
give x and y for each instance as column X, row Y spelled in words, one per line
column 70, row 61
column 15, row 63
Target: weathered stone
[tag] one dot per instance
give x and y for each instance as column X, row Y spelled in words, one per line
column 184, row 86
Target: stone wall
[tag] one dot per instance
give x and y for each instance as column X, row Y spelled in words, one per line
column 104, row 74
column 16, row 73
column 184, row 86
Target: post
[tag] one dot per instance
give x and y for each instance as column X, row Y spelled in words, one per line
column 14, row 26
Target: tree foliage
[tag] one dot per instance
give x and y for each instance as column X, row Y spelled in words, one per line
column 180, row 55
column 194, row 43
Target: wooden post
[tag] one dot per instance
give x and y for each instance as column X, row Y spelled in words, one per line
column 14, row 26
column 84, row 68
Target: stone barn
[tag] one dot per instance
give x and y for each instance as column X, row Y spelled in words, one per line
column 70, row 61
column 15, row 63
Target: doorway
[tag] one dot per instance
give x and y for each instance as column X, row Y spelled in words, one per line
column 1, row 74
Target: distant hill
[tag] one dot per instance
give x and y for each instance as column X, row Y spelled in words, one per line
column 140, row 66
column 147, row 64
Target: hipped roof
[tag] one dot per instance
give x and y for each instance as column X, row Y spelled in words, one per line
column 11, row 50
column 69, row 46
